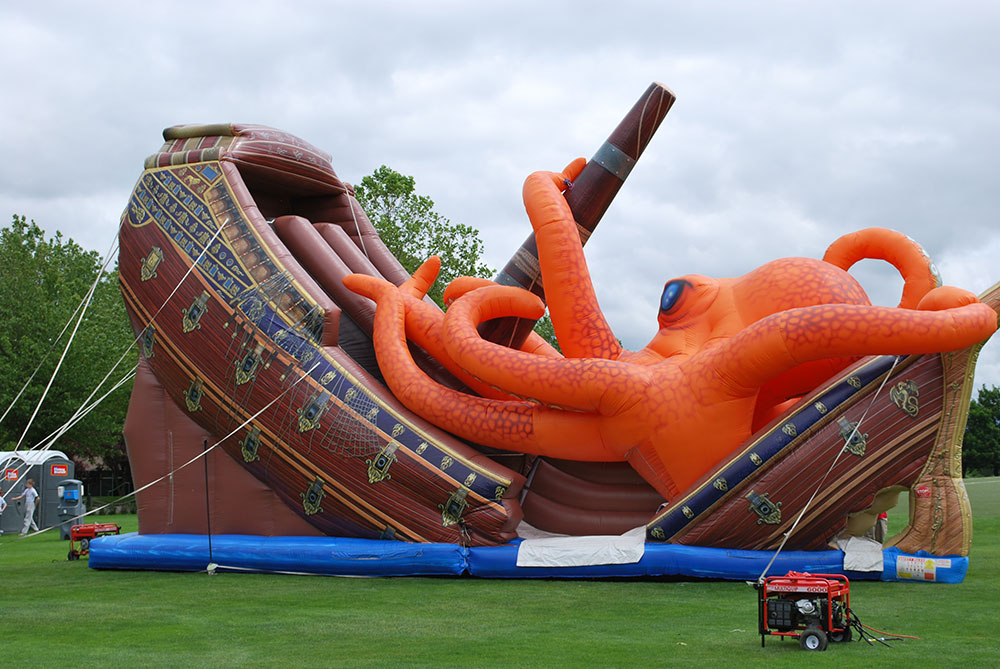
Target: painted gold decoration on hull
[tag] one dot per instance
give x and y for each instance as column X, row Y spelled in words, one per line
column 147, row 270
column 378, row 467
column 250, row 445
column 192, row 315
column 193, row 395
column 310, row 414
column 253, row 307
column 147, row 341
column 854, row 441
column 767, row 511
column 247, row 368
column 904, row 395
column 452, row 510
column 313, row 497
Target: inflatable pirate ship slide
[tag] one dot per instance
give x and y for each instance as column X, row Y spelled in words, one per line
column 297, row 391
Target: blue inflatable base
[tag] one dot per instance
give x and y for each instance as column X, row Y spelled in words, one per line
column 309, row 555
column 366, row 557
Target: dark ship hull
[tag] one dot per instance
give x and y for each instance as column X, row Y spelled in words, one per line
column 245, row 343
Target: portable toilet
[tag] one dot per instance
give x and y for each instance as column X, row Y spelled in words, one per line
column 71, row 506
column 48, row 469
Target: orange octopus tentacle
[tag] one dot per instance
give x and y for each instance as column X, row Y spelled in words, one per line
column 423, row 327
column 607, row 387
column 511, row 425
column 786, row 339
column 461, row 285
column 946, row 297
column 579, row 324
column 919, row 273
column 421, row 280
column 511, row 420
column 534, row 343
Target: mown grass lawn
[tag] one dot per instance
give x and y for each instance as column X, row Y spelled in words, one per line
column 61, row 613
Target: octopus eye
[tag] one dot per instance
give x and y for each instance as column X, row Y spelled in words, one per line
column 672, row 292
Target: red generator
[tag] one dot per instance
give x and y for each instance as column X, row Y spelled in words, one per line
column 816, row 608
column 84, row 533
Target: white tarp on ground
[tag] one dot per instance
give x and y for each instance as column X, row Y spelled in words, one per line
column 564, row 551
column 861, row 554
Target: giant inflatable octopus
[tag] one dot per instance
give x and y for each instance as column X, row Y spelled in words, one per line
column 728, row 355
column 330, row 398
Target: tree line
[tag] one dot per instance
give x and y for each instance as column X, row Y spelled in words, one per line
column 45, row 283
column 981, row 450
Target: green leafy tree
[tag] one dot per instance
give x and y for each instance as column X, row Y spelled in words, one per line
column 981, row 449
column 44, row 281
column 547, row 331
column 413, row 231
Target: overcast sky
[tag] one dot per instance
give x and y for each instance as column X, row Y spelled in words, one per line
column 795, row 122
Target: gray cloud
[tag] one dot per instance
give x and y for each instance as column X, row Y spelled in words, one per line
column 795, row 123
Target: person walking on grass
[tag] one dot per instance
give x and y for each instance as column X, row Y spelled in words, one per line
column 30, row 496
column 3, row 505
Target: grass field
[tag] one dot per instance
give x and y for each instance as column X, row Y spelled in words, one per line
column 61, row 613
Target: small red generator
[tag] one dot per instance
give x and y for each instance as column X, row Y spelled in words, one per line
column 84, row 533
column 816, row 608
